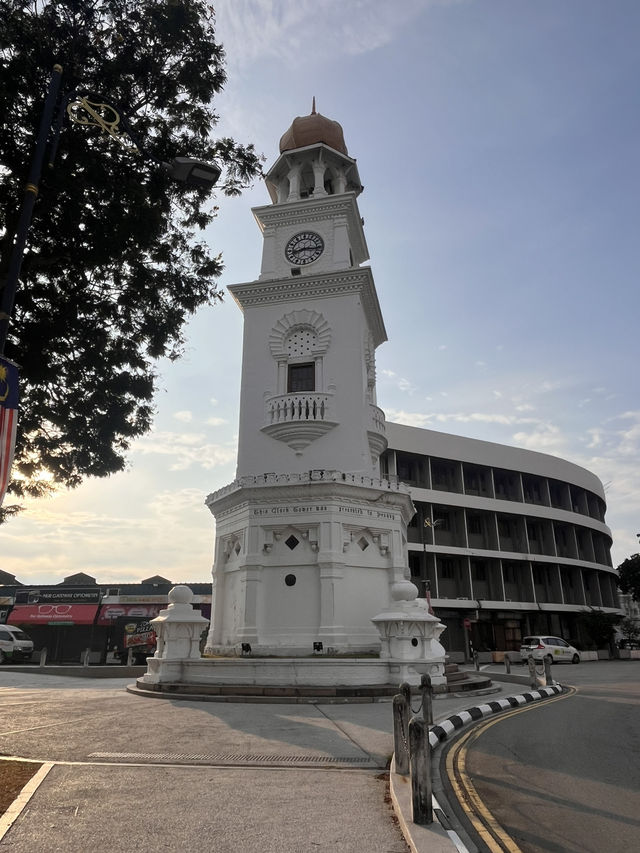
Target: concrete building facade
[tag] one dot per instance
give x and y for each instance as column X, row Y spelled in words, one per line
column 508, row 541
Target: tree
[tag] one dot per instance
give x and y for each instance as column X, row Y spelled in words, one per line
column 114, row 264
column 600, row 627
column 629, row 576
column 630, row 631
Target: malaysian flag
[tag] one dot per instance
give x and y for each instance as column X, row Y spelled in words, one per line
column 8, row 420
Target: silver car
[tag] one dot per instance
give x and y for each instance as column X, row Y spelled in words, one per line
column 555, row 649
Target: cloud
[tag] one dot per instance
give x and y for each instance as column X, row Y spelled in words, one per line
column 404, row 385
column 252, row 30
column 432, row 418
column 213, row 421
column 186, row 449
column 185, row 416
column 114, row 546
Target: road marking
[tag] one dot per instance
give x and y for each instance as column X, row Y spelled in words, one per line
column 484, row 823
column 18, row 805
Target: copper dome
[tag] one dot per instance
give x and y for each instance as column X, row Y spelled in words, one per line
column 311, row 129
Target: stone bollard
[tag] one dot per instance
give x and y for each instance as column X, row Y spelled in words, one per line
column 401, row 733
column 547, row 671
column 427, row 699
column 476, row 661
column 43, row 656
column 507, row 664
column 420, row 766
column 85, row 657
column 532, row 672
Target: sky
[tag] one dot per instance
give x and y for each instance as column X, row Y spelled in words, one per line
column 498, row 144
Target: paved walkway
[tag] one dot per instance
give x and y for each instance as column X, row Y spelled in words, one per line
column 132, row 773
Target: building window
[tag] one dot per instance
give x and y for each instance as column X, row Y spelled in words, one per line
column 474, row 525
column 446, row 569
column 301, row 377
column 443, row 519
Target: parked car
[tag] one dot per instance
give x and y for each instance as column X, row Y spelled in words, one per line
column 15, row 645
column 554, row 648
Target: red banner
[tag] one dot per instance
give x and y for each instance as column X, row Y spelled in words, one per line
column 8, row 420
column 51, row 614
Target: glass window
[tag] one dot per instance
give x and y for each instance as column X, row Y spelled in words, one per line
column 302, row 377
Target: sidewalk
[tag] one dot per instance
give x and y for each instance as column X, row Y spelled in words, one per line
column 130, row 772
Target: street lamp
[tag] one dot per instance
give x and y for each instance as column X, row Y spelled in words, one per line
column 432, row 523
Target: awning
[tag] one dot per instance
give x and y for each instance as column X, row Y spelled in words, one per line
column 53, row 614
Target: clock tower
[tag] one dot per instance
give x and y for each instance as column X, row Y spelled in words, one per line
column 309, row 539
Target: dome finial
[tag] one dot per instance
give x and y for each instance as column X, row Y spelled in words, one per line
column 313, row 106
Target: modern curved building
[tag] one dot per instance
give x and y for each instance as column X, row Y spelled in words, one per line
column 505, row 541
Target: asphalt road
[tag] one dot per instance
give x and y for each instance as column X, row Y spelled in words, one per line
column 562, row 775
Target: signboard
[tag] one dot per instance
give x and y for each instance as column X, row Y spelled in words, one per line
column 467, row 623
column 53, row 614
column 138, row 634
column 110, row 612
column 147, row 599
column 80, row 595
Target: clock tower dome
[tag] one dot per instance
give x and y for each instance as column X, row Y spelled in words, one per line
column 309, row 539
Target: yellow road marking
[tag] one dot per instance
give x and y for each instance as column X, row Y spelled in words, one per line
column 483, row 822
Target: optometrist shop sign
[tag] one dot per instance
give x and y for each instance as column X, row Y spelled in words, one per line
column 78, row 595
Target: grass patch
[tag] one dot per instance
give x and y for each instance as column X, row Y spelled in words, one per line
column 14, row 775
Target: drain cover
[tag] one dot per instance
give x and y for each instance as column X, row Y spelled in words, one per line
column 233, row 758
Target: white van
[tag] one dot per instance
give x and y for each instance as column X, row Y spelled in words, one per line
column 15, row 645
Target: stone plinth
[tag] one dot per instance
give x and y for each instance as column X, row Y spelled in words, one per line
column 409, row 636
column 178, row 630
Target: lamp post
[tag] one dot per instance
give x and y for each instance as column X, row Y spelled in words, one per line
column 431, row 523
column 184, row 169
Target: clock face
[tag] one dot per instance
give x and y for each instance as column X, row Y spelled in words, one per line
column 304, row 248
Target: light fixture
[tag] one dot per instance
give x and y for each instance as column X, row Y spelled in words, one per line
column 317, row 647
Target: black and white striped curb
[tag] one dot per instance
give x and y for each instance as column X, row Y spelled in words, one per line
column 441, row 731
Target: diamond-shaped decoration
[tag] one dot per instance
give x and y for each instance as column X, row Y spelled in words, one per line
column 362, row 542
column 291, row 542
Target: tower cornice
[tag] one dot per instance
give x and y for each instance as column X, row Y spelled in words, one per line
column 301, row 212
column 314, row 287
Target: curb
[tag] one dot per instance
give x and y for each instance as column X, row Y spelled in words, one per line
column 441, row 731
column 439, row 837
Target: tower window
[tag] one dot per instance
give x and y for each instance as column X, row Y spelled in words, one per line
column 301, row 377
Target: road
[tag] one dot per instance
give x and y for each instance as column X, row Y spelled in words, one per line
column 561, row 775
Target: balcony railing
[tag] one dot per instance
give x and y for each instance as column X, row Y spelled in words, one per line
column 299, row 407
column 299, row 419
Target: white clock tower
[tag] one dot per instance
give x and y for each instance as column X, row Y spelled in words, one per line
column 309, row 540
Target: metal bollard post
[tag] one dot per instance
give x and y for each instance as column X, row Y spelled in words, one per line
column 130, row 657
column 532, row 672
column 43, row 656
column 547, row 671
column 85, row 657
column 476, row 661
column 427, row 699
column 507, row 663
column 420, row 763
column 401, row 733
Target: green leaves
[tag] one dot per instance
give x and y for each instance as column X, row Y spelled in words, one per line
column 113, row 266
column 629, row 576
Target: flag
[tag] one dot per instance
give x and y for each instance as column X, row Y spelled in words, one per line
column 8, row 420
